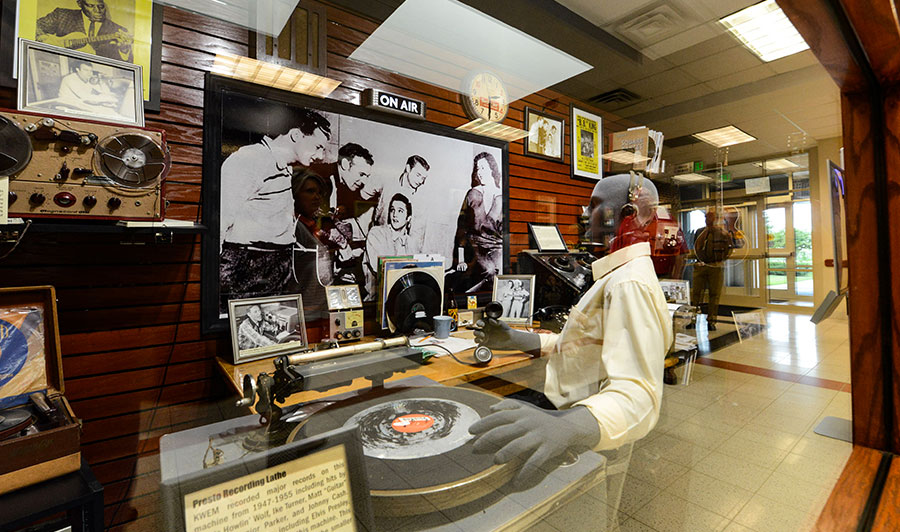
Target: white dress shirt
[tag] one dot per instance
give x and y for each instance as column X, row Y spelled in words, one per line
column 610, row 355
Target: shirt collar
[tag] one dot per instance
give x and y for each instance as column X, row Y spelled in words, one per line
column 281, row 165
column 602, row 267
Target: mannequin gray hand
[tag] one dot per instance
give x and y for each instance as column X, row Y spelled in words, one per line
column 499, row 335
column 538, row 437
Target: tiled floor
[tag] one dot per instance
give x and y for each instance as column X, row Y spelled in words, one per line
column 735, row 451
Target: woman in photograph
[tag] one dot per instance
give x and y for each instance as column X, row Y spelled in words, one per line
column 312, row 268
column 483, row 218
column 390, row 239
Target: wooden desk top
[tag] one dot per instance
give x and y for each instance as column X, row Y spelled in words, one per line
column 442, row 369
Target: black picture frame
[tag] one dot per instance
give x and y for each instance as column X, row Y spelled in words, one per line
column 173, row 491
column 8, row 45
column 216, row 88
column 551, row 148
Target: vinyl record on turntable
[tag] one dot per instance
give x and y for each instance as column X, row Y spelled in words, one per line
column 15, row 148
column 417, row 446
column 13, row 421
column 413, row 300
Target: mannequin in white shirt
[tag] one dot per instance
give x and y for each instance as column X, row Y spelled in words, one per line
column 604, row 371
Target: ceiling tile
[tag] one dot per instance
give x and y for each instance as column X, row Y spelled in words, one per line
column 688, row 93
column 703, row 49
column 736, row 79
column 723, row 63
column 671, row 80
column 793, row 62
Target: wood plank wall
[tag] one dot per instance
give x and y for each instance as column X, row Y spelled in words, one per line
column 135, row 363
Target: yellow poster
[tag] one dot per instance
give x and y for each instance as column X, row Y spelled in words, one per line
column 115, row 29
column 587, row 144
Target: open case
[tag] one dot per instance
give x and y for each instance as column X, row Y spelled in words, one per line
column 30, row 365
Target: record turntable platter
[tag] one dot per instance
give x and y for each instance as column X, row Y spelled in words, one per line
column 418, row 451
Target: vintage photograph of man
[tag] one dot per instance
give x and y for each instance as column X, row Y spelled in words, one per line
column 310, row 198
column 546, row 135
column 265, row 326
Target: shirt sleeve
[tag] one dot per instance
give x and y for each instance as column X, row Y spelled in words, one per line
column 548, row 342
column 633, row 352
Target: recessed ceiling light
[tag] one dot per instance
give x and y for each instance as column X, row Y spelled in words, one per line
column 724, row 136
column 494, row 130
column 271, row 75
column 766, row 31
column 778, row 164
column 692, row 178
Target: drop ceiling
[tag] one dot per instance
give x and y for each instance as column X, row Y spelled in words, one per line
column 683, row 71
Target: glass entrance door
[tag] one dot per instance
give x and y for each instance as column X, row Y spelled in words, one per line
column 789, row 248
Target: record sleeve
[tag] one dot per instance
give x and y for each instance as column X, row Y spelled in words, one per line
column 22, row 364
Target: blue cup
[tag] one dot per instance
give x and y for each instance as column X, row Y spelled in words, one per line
column 442, row 327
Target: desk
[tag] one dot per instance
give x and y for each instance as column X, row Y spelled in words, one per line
column 442, row 369
column 77, row 493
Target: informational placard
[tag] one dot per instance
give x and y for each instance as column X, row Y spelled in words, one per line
column 309, row 494
column 587, row 144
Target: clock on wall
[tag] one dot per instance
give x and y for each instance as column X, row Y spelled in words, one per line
column 485, row 97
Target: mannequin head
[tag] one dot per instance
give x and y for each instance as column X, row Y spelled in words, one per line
column 609, row 197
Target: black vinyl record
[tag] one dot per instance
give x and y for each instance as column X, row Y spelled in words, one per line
column 412, row 302
column 418, row 450
column 15, row 148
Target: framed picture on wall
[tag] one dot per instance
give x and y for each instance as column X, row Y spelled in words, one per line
column 514, row 292
column 546, row 135
column 119, row 30
column 343, row 186
column 587, row 144
column 63, row 82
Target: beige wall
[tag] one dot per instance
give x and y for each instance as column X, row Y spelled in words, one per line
column 823, row 248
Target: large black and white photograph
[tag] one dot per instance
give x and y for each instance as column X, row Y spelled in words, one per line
column 63, row 82
column 262, row 327
column 546, row 135
column 514, row 293
column 306, row 193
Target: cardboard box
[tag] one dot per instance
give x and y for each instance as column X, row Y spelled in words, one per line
column 28, row 321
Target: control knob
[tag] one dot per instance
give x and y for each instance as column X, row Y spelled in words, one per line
column 64, row 199
column 12, row 197
column 37, row 198
column 114, row 203
column 89, row 201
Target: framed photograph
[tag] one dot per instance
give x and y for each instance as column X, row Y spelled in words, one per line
column 749, row 324
column 345, row 187
column 587, row 144
column 265, row 326
column 124, row 30
column 676, row 291
column 546, row 135
column 514, row 293
column 58, row 81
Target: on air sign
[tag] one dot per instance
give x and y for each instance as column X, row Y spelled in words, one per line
column 393, row 103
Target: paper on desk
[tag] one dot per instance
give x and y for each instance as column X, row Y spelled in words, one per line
column 684, row 342
column 455, row 345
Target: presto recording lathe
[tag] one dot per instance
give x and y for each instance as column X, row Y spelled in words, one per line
column 70, row 168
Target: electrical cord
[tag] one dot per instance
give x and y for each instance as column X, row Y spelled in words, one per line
column 18, row 240
column 449, row 352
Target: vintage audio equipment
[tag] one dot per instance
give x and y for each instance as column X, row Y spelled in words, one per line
column 560, row 278
column 39, row 434
column 69, row 168
column 345, row 319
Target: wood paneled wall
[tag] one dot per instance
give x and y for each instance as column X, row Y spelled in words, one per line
column 135, row 363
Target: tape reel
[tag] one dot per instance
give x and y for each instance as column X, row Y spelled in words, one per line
column 15, row 148
column 131, row 159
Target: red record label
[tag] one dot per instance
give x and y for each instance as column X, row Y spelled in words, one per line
column 412, row 423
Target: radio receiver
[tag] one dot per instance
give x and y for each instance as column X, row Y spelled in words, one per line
column 69, row 168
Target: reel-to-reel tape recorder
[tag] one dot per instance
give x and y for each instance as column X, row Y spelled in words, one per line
column 69, row 168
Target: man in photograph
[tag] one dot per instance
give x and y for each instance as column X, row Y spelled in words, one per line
column 414, row 175
column 87, row 29
column 537, row 135
column 257, row 207
column 81, row 90
column 348, row 226
column 250, row 331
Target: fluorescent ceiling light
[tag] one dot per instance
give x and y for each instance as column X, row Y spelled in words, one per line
column 494, row 130
column 624, row 157
column 724, row 136
column 692, row 178
column 444, row 42
column 271, row 75
column 778, row 164
column 263, row 16
column 766, row 31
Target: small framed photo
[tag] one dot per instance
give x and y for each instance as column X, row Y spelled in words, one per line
column 676, row 291
column 266, row 326
column 514, row 293
column 546, row 135
column 62, row 82
column 343, row 296
column 587, row 144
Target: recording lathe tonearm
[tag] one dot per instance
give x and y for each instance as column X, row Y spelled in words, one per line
column 325, row 370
